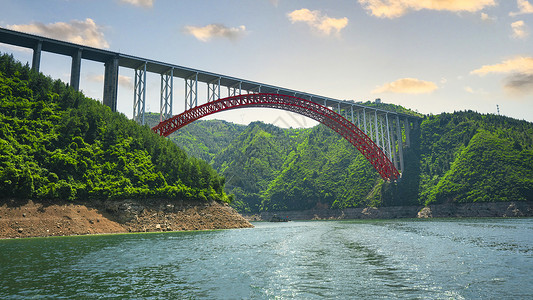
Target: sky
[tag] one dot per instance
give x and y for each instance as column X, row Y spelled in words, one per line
column 431, row 56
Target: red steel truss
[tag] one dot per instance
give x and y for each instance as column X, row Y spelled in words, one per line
column 310, row 109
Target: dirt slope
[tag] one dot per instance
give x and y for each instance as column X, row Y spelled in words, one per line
column 31, row 219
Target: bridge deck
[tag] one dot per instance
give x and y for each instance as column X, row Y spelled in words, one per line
column 27, row 40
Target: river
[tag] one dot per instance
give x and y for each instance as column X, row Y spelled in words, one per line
column 386, row 259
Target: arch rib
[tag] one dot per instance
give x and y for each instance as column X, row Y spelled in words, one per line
column 313, row 110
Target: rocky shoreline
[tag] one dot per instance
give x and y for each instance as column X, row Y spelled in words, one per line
column 26, row 218
column 449, row 210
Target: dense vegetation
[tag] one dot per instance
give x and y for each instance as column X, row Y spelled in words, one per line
column 57, row 144
column 454, row 157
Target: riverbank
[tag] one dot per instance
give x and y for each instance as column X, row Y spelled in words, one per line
column 26, row 218
column 449, row 210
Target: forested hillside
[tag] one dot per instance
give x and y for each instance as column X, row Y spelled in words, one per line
column 454, row 157
column 57, row 144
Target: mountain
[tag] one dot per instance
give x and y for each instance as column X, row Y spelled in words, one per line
column 454, row 157
column 57, row 144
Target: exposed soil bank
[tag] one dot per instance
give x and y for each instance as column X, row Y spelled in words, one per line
column 31, row 219
column 450, row 210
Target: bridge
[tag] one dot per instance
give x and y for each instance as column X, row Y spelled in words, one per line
column 380, row 135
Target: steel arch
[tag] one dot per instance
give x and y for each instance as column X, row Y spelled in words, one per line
column 310, row 109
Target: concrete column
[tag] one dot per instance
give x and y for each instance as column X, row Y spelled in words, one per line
column 400, row 142
column 111, row 83
column 393, row 142
column 75, row 70
column 36, row 61
column 407, row 132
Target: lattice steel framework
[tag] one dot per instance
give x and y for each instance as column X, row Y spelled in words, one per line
column 139, row 94
column 165, row 108
column 191, row 91
column 313, row 110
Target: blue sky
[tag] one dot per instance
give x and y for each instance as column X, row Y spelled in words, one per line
column 430, row 56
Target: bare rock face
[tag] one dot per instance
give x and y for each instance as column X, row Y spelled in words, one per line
column 425, row 213
column 124, row 211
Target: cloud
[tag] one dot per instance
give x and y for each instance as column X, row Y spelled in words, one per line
column 407, row 86
column 472, row 91
column 316, row 20
column 140, row 3
column 486, row 17
column 519, row 64
column 207, row 32
column 524, row 8
column 79, row 32
column 397, row 8
column 520, row 70
column 519, row 84
column 124, row 81
column 520, row 30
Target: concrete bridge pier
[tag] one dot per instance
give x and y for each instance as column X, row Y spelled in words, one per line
column 111, row 83
column 75, row 70
column 36, row 60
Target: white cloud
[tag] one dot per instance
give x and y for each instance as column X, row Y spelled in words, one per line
column 397, row 8
column 316, row 20
column 80, row 32
column 524, row 8
column 407, row 86
column 140, row 3
column 207, row 32
column 520, row 30
column 486, row 17
column 520, row 69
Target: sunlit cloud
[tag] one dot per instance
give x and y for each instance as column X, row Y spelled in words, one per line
column 397, row 8
column 520, row 30
column 140, row 3
column 520, row 70
column 519, row 64
column 210, row 31
column 318, row 21
column 524, row 7
column 76, row 31
column 124, row 81
column 407, row 86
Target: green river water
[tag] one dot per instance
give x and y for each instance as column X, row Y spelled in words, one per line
column 379, row 259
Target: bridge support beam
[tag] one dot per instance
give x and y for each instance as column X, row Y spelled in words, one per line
column 191, row 91
column 388, row 136
column 111, row 83
column 139, row 96
column 400, row 143
column 394, row 147
column 36, row 60
column 235, row 90
column 213, row 90
column 75, row 70
column 165, row 106
column 407, row 126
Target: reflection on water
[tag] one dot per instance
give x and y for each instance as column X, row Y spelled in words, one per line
column 430, row 259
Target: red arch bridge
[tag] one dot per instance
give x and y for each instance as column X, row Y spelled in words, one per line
column 384, row 158
column 380, row 135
